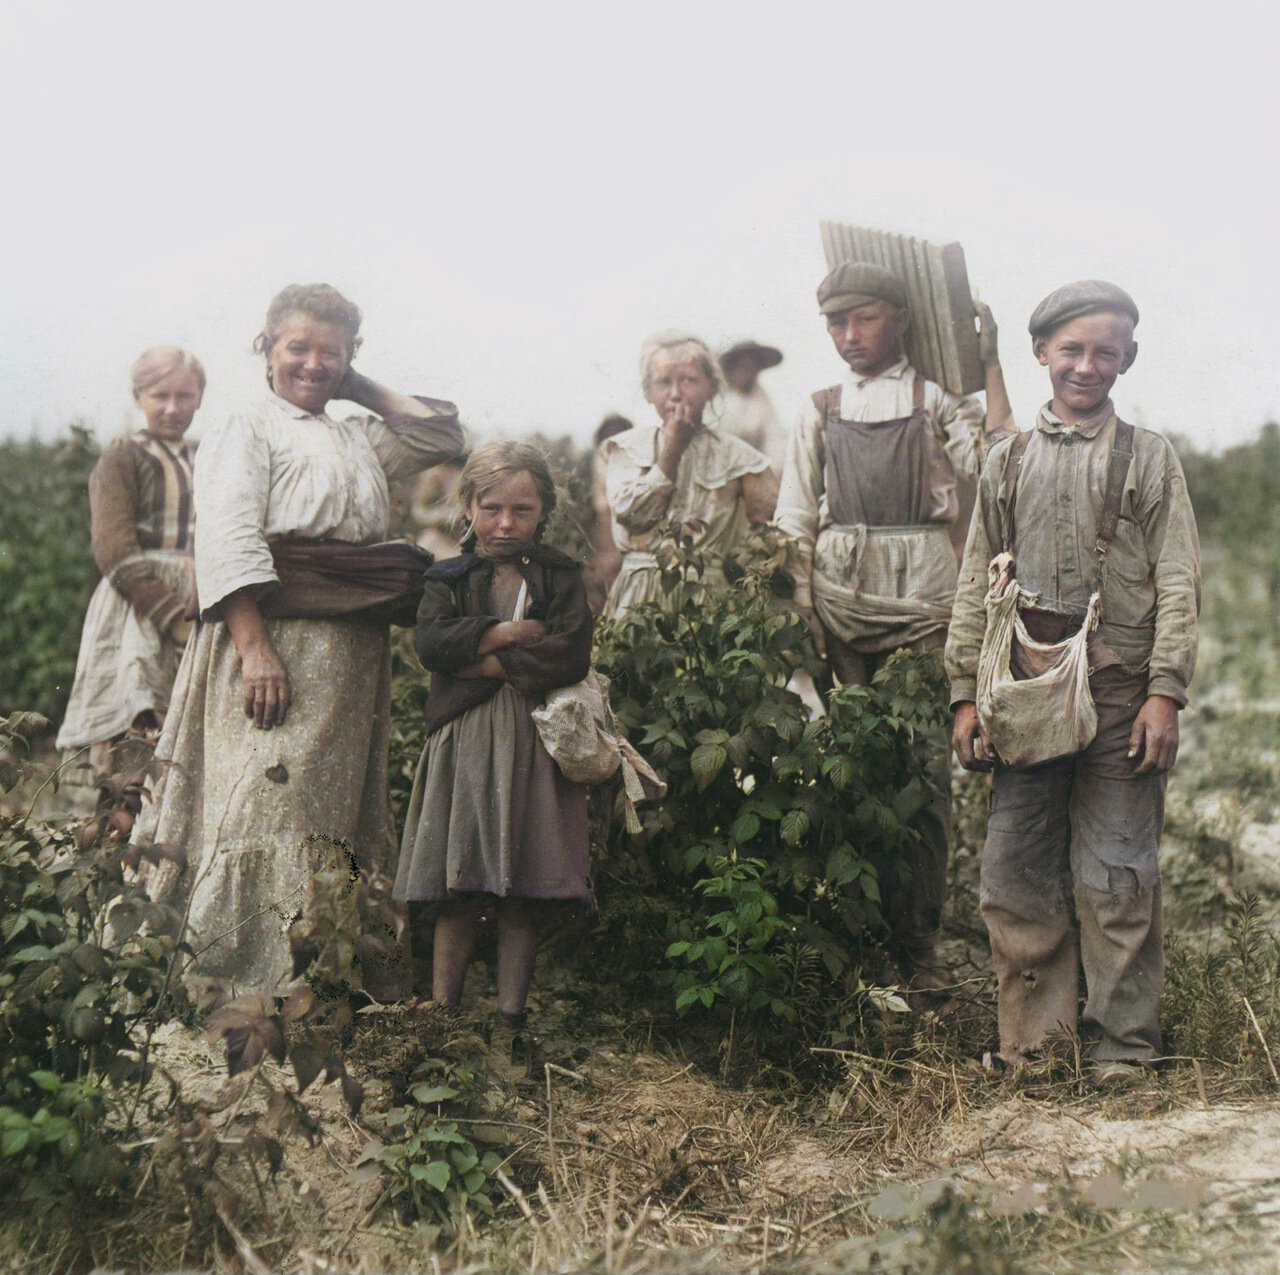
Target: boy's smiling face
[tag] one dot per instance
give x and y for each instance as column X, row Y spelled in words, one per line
column 1084, row 356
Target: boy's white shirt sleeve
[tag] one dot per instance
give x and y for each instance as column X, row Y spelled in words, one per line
column 961, row 421
column 801, row 501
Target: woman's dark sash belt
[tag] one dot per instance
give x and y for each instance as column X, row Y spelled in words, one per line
column 320, row 578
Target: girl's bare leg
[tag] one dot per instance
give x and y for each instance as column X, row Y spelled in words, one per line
column 453, row 945
column 517, row 946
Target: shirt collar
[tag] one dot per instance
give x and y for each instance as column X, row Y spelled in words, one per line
column 894, row 372
column 298, row 413
column 1090, row 427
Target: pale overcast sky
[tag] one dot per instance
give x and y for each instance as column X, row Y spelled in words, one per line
column 518, row 194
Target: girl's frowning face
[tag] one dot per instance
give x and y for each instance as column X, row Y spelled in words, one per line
column 506, row 516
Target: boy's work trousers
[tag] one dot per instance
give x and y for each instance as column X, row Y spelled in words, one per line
column 1084, row 830
column 913, row 883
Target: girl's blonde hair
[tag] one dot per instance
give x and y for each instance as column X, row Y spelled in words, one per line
column 160, row 362
column 674, row 339
column 492, row 462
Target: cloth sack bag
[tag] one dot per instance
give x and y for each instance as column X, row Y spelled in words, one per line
column 577, row 727
column 1039, row 719
column 574, row 725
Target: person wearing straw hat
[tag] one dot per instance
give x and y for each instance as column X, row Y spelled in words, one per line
column 867, row 496
column 747, row 411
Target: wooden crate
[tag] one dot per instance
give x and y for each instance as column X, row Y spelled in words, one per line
column 942, row 341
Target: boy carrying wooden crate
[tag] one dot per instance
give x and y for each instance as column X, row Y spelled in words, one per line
column 867, row 496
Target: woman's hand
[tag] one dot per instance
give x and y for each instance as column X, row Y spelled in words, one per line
column 180, row 630
column 267, row 692
column 511, row 633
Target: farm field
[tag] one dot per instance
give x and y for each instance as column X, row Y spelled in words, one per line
column 639, row 1139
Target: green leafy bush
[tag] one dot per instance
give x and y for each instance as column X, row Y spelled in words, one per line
column 46, row 569
column 434, row 1168
column 73, row 987
column 759, row 857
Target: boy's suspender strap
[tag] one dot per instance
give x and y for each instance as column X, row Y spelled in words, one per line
column 1009, row 486
column 827, row 403
column 1117, row 474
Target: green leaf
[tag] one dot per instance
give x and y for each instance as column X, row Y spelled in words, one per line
column 14, row 1140
column 464, row 1159
column 795, row 823
column 745, row 827
column 706, row 761
column 49, row 1081
column 428, row 1094
column 712, row 737
column 839, row 770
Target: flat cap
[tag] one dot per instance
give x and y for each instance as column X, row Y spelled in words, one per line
column 854, row 281
column 762, row 355
column 1085, row 296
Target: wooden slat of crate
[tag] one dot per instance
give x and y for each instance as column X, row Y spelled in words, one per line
column 942, row 341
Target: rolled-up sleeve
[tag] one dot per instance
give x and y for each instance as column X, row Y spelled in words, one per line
column 232, row 481
column 961, row 421
column 406, row 445
column 799, row 511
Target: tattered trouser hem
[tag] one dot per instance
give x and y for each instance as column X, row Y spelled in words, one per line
column 1070, row 879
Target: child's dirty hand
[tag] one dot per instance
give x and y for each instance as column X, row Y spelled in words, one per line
column 972, row 749
column 1154, row 737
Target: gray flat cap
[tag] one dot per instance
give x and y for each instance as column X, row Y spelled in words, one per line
column 1085, row 296
column 852, row 282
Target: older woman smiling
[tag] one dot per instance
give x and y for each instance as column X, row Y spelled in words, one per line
column 281, row 712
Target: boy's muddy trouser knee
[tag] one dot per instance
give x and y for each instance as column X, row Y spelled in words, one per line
column 1070, row 878
column 913, row 882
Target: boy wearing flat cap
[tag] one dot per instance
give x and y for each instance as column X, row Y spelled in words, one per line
column 1070, row 874
column 867, row 496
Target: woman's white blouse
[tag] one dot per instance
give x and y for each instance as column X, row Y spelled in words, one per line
column 277, row 470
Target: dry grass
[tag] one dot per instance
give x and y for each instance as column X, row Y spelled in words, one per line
column 635, row 1162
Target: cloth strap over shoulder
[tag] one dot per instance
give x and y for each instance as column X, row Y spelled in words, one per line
column 828, row 403
column 1039, row 717
column 1117, row 472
